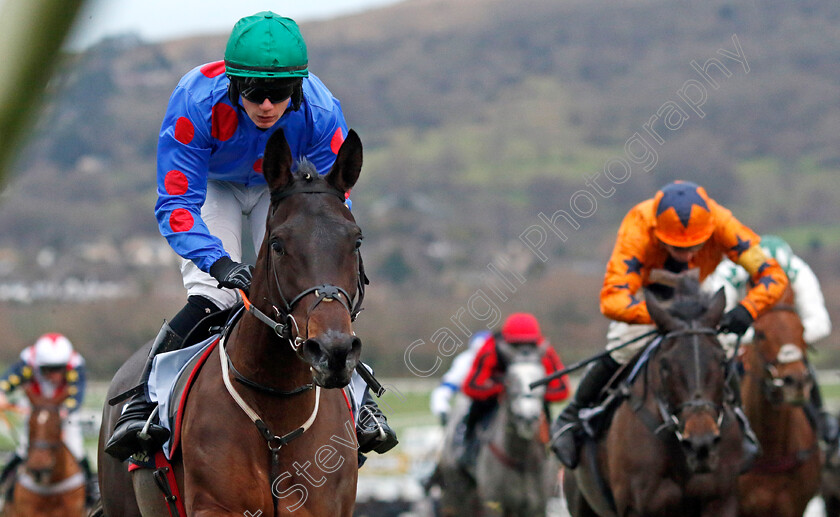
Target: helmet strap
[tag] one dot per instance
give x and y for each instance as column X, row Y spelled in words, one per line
column 297, row 96
column 233, row 94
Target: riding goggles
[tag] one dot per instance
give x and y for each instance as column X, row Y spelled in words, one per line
column 256, row 91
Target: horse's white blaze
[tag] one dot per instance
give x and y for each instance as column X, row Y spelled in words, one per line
column 789, row 353
column 42, row 417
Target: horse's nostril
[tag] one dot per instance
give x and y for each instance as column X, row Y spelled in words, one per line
column 355, row 346
column 313, row 350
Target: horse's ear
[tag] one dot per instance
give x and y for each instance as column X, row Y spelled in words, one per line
column 661, row 317
column 348, row 164
column 277, row 161
column 715, row 310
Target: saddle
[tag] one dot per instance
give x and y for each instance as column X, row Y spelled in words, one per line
column 596, row 420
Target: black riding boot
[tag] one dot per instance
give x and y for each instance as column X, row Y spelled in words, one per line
column 825, row 424
column 566, row 432
column 9, row 468
column 750, row 445
column 91, row 484
column 372, row 430
column 478, row 415
column 125, row 440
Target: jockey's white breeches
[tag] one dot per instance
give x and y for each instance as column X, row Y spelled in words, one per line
column 228, row 207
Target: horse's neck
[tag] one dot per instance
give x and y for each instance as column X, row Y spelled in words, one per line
column 65, row 466
column 258, row 354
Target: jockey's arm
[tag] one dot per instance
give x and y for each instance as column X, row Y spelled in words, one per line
column 767, row 278
column 481, row 383
column 558, row 389
column 15, row 376
column 76, row 382
column 620, row 297
column 810, row 303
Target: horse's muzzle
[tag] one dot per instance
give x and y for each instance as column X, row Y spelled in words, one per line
column 332, row 356
column 701, row 452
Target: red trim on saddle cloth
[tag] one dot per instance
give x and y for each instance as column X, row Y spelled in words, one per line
column 155, row 463
column 176, row 433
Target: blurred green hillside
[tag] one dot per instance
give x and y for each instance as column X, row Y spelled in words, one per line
column 477, row 116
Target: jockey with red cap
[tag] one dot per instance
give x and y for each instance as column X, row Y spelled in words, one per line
column 485, row 382
column 681, row 228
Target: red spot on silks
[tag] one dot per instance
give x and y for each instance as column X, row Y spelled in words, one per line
column 175, row 183
column 180, row 220
column 337, row 140
column 184, row 130
column 224, row 122
column 258, row 165
column 213, row 69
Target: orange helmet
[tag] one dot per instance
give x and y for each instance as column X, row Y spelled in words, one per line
column 521, row 327
column 683, row 215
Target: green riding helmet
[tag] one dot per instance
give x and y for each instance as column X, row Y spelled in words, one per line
column 266, row 56
column 780, row 250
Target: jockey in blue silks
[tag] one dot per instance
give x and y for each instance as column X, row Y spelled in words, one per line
column 209, row 175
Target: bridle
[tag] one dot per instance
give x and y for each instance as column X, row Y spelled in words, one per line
column 672, row 416
column 772, row 383
column 284, row 322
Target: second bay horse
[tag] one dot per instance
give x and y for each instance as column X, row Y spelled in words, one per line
column 776, row 384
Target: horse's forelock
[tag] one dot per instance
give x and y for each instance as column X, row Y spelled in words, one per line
column 690, row 302
column 304, row 168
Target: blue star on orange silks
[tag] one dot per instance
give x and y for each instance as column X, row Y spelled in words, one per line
column 622, row 286
column 766, row 281
column 681, row 197
column 633, row 301
column 762, row 267
column 634, row 265
column 742, row 246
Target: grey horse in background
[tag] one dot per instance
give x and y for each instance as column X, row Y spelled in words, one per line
column 514, row 475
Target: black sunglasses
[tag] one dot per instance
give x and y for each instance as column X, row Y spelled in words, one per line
column 257, row 92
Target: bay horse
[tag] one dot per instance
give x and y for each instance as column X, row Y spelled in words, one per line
column 674, row 445
column 776, row 384
column 283, row 439
column 51, row 482
column 512, row 477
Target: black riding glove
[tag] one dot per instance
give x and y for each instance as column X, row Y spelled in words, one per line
column 737, row 321
column 234, row 275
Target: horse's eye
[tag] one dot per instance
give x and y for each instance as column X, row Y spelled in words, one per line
column 278, row 248
column 358, row 243
column 759, row 335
